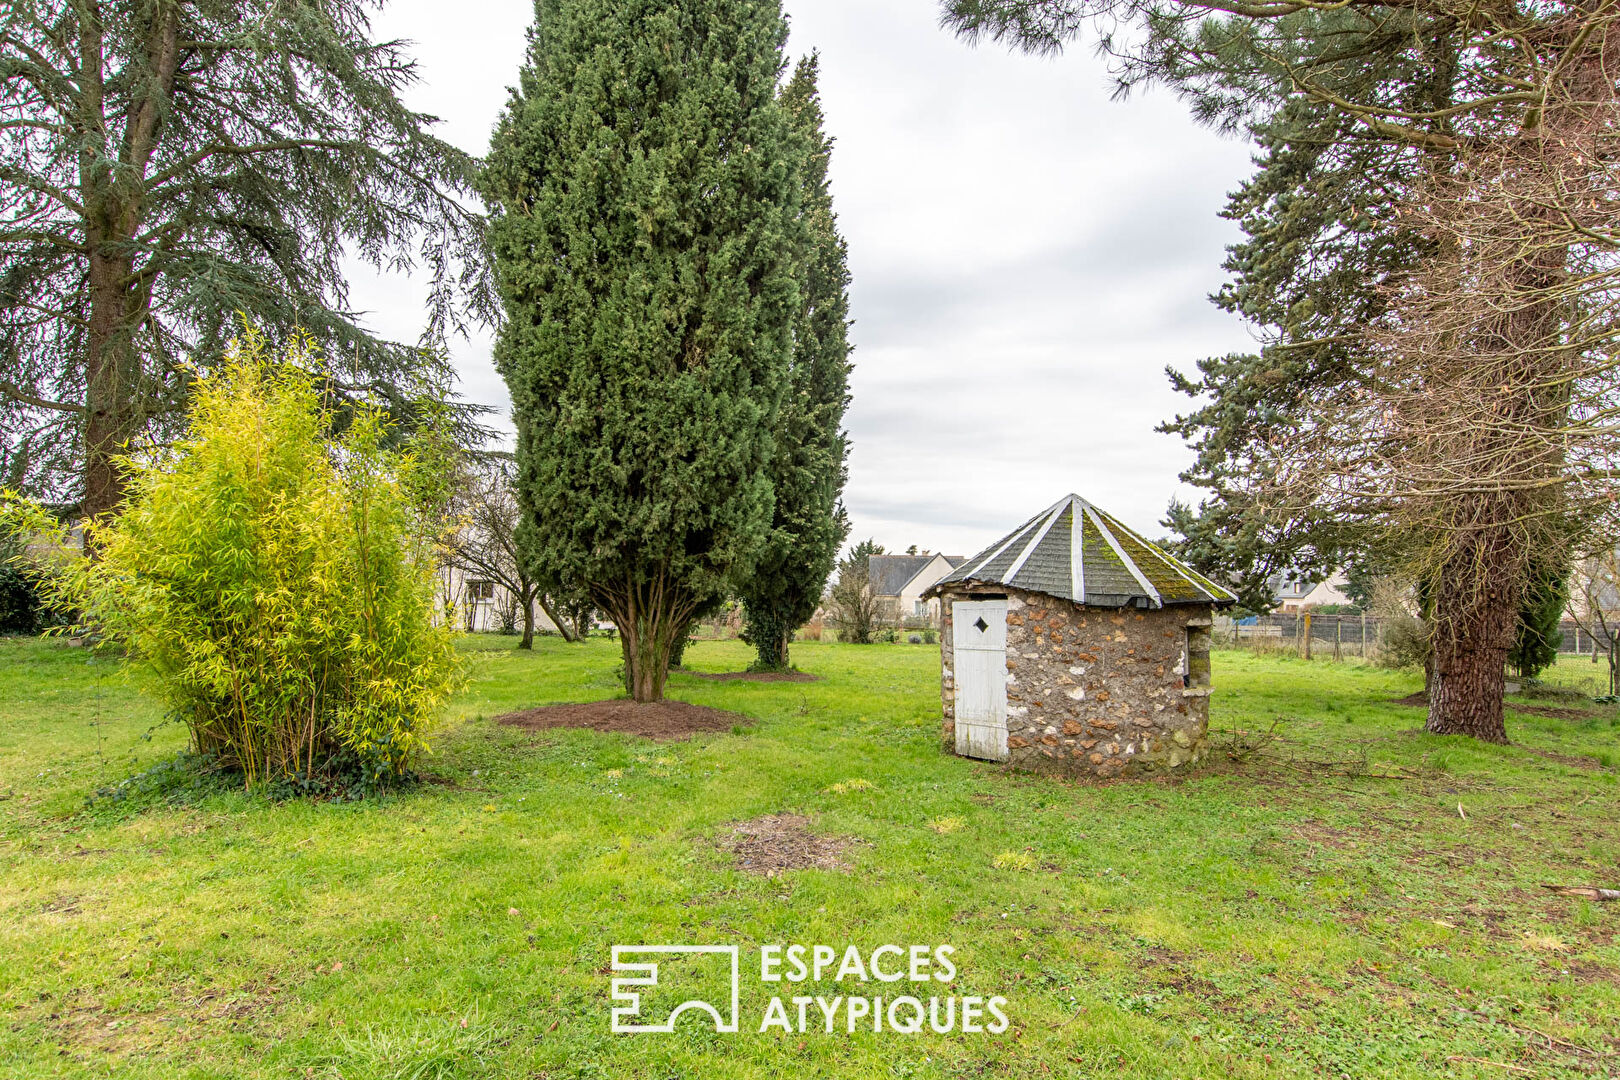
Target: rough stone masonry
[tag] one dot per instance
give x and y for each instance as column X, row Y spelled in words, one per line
column 1100, row 691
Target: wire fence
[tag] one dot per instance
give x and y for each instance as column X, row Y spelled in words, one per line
column 1353, row 635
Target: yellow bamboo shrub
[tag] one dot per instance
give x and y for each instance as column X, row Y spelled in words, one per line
column 279, row 583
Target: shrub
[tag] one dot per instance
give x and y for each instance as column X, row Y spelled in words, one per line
column 930, row 637
column 19, row 601
column 1406, row 642
column 279, row 583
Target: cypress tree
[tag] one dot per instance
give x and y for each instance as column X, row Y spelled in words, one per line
column 809, row 469
column 644, row 183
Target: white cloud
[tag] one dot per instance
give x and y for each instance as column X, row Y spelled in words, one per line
column 1027, row 254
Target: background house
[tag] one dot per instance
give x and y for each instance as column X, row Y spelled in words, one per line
column 899, row 581
column 1295, row 595
column 480, row 605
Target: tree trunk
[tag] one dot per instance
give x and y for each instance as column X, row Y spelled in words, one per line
column 560, row 623
column 109, row 421
column 646, row 663
column 649, row 615
column 115, row 211
column 527, row 641
column 771, row 637
column 1473, row 633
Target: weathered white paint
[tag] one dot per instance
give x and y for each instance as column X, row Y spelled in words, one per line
column 981, row 677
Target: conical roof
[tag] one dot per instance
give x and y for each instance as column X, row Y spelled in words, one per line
column 1099, row 563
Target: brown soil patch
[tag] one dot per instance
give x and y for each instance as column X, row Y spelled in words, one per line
column 754, row 676
column 661, row 720
column 1574, row 761
column 776, row 842
column 1555, row 712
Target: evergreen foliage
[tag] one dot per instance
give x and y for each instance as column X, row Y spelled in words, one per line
column 168, row 166
column 281, row 587
column 809, row 467
column 1540, row 629
column 1322, row 241
column 644, row 181
column 19, row 599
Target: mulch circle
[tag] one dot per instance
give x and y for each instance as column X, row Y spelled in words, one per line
column 754, row 676
column 660, row 720
column 776, row 842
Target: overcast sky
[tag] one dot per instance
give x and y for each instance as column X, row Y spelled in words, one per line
column 1027, row 255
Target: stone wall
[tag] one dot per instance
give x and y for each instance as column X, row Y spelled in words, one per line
column 1099, row 691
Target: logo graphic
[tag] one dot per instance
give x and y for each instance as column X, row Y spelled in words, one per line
column 646, row 974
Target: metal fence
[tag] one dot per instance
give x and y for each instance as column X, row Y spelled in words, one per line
column 1354, row 635
column 1339, row 635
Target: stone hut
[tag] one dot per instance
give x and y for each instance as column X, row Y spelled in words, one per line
column 1074, row 644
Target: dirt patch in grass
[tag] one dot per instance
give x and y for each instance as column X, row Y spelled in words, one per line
column 1554, row 712
column 660, row 720
column 754, row 676
column 1574, row 761
column 776, row 842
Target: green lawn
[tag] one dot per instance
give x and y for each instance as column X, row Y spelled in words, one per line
column 1353, row 899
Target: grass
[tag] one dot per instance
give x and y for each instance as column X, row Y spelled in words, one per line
column 1344, row 896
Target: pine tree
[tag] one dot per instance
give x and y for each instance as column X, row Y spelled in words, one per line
column 809, row 468
column 645, row 186
column 1321, row 243
column 168, row 166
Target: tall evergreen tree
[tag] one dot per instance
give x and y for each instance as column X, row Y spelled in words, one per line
column 168, row 164
column 645, row 186
column 1321, row 245
column 809, row 468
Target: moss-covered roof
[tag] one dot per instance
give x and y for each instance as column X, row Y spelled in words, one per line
column 1102, row 564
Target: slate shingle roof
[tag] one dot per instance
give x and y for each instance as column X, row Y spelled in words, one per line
column 1104, row 564
column 890, row 573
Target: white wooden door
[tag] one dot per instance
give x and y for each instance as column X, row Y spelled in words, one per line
column 979, row 645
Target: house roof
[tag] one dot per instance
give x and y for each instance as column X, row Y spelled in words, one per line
column 890, row 573
column 1102, row 564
